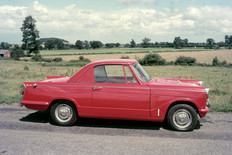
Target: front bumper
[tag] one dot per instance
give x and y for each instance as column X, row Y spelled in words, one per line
column 202, row 112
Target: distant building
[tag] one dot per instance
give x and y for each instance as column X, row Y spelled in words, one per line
column 4, row 54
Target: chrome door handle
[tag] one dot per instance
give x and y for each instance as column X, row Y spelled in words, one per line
column 97, row 88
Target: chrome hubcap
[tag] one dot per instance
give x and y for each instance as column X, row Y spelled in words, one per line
column 63, row 112
column 182, row 118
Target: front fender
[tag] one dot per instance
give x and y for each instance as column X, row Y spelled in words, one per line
column 160, row 105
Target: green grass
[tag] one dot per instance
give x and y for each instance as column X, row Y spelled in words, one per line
column 114, row 51
column 13, row 74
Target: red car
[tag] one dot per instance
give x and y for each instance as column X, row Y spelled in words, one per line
column 118, row 89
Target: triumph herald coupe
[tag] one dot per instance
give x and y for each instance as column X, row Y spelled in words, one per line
column 118, row 89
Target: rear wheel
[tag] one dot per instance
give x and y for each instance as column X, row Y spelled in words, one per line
column 182, row 117
column 63, row 113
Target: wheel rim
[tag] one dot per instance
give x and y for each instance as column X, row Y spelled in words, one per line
column 182, row 118
column 63, row 113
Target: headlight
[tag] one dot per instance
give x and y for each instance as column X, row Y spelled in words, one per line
column 207, row 90
column 201, row 82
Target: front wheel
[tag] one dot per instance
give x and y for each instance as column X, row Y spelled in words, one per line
column 63, row 113
column 182, row 117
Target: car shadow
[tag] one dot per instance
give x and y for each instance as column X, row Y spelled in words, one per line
column 44, row 117
column 37, row 117
column 121, row 124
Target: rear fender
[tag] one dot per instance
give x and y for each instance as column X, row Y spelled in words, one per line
column 66, row 99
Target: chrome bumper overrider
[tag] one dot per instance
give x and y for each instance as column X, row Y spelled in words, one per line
column 208, row 104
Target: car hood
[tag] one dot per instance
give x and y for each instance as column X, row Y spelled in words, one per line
column 174, row 82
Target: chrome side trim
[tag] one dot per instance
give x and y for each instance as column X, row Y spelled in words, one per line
column 176, row 90
column 95, row 86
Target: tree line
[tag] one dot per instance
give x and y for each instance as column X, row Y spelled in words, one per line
column 178, row 43
column 32, row 44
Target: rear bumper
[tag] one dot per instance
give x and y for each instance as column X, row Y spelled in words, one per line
column 36, row 105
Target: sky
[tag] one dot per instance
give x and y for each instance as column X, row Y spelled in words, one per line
column 112, row 21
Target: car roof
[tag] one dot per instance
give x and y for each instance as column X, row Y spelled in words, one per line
column 102, row 62
column 114, row 61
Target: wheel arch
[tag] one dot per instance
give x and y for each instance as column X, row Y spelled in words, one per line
column 67, row 100
column 181, row 102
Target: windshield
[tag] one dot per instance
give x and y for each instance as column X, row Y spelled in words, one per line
column 140, row 72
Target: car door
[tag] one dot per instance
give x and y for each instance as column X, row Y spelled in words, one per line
column 117, row 93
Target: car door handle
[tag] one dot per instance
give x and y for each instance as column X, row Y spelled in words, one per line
column 97, row 88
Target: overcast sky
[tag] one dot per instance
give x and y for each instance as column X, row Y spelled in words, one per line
column 118, row 20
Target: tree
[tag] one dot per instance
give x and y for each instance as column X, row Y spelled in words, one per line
column 110, row 45
column 221, row 44
column 5, row 45
column 132, row 43
column 96, row 44
column 117, row 45
column 177, row 42
column 86, row 44
column 30, row 35
column 79, row 44
column 59, row 44
column 126, row 45
column 228, row 41
column 210, row 43
column 185, row 42
column 16, row 53
column 49, row 44
column 145, row 42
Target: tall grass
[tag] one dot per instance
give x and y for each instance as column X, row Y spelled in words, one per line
column 14, row 73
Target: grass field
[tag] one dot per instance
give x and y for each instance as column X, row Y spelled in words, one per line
column 170, row 54
column 219, row 79
column 114, row 51
column 201, row 56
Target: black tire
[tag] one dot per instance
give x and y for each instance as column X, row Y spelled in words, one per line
column 63, row 113
column 182, row 117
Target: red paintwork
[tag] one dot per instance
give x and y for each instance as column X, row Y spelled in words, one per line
column 139, row 101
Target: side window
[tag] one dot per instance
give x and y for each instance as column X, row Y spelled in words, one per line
column 115, row 74
column 100, row 74
column 109, row 74
column 129, row 76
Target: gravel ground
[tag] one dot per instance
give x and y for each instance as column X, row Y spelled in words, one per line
column 24, row 131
